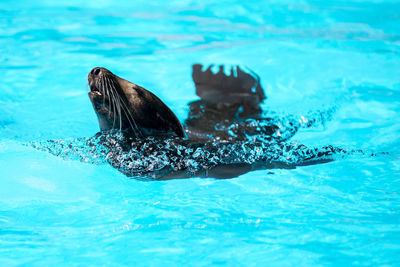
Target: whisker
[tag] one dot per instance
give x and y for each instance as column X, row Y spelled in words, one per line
column 114, row 108
column 108, row 87
column 129, row 116
column 112, row 98
column 102, row 89
column 117, row 103
column 126, row 111
column 109, row 100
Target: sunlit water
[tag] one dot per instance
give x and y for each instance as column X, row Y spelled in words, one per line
column 311, row 56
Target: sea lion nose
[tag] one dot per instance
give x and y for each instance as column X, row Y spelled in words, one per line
column 95, row 71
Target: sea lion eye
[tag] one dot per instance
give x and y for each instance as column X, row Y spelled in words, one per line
column 96, row 71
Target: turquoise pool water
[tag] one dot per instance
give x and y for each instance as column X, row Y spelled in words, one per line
column 311, row 56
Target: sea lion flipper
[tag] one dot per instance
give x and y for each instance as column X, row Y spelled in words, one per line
column 240, row 86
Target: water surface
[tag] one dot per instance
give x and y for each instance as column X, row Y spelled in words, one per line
column 311, row 56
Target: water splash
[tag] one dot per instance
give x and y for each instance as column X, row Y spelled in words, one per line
column 251, row 144
column 177, row 158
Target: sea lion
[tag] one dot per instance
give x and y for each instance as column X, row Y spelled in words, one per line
column 227, row 133
column 125, row 106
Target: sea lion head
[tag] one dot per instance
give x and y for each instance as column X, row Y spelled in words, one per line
column 127, row 107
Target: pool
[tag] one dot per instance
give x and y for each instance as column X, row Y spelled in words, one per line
column 312, row 56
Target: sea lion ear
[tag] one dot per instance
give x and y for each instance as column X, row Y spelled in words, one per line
column 238, row 87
